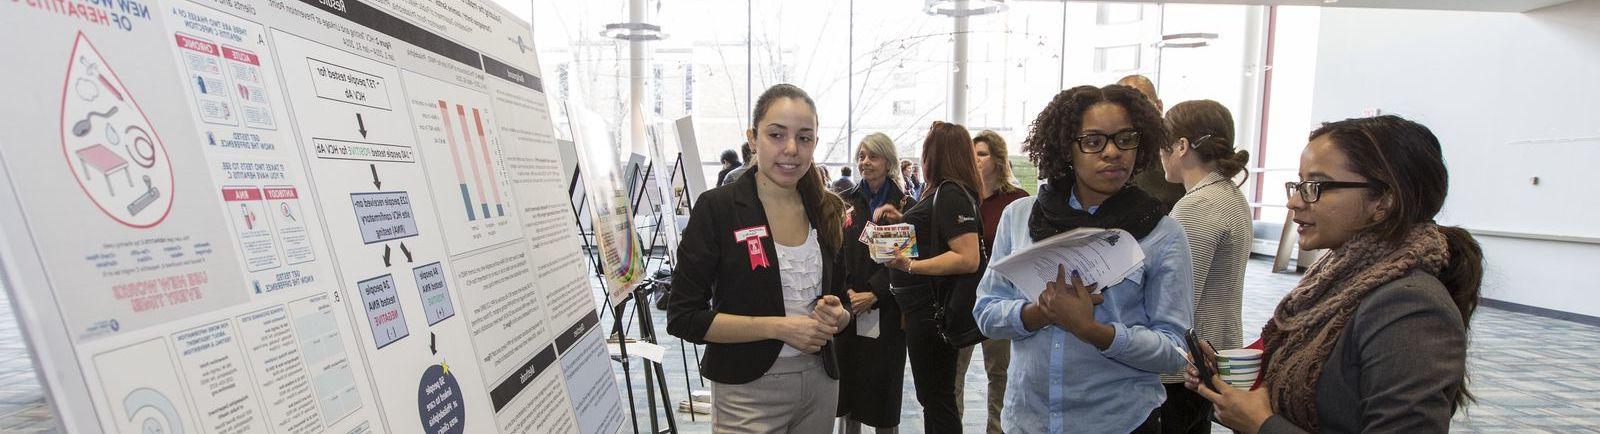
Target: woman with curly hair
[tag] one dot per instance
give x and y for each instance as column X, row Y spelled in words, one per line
column 1084, row 360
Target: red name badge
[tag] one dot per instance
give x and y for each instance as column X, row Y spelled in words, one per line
column 751, row 237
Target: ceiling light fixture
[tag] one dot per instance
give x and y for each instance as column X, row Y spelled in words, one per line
column 633, row 32
column 963, row 8
column 1186, row 40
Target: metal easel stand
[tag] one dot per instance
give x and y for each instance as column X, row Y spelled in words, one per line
column 676, row 175
column 654, row 375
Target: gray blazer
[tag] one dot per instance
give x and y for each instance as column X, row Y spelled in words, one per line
column 1397, row 367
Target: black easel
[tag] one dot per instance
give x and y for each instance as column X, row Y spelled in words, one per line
column 654, row 376
column 674, row 175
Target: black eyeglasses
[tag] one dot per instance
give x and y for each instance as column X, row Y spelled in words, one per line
column 1311, row 191
column 1094, row 143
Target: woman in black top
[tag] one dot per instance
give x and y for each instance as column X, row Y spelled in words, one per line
column 947, row 229
column 873, row 368
column 757, row 280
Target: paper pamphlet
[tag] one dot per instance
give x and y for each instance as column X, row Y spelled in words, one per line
column 867, row 323
column 1103, row 256
column 648, row 351
column 888, row 241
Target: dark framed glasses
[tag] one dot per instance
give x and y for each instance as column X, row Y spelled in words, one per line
column 1094, row 143
column 1311, row 191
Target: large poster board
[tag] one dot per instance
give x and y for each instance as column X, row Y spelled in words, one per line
column 285, row 216
column 692, row 166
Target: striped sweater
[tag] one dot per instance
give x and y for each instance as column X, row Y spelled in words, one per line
column 1216, row 219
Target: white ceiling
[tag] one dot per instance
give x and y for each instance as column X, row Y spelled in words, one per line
column 1455, row 5
column 524, row 8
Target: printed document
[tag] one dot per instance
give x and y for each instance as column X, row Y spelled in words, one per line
column 1101, row 256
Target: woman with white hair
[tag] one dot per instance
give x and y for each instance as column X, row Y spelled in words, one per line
column 872, row 369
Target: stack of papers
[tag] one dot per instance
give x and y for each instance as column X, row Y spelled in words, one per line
column 1101, row 256
column 888, row 241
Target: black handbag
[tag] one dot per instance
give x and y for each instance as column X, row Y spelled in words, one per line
column 955, row 295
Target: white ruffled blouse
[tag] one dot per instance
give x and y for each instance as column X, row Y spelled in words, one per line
column 800, row 271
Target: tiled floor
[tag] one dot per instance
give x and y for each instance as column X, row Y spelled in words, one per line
column 1530, row 374
column 22, row 405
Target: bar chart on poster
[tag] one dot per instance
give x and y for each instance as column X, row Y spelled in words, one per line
column 454, row 127
column 285, row 216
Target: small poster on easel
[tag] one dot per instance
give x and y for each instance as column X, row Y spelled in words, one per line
column 608, row 189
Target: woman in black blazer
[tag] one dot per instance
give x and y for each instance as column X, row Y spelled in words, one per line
column 874, row 368
column 759, row 282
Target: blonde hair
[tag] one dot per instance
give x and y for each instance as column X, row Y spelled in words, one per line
column 879, row 144
column 1000, row 157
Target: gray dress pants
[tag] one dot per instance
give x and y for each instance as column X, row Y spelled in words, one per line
column 794, row 396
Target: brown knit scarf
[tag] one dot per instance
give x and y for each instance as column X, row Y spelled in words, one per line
column 1311, row 319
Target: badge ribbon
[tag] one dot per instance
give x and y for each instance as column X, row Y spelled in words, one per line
column 752, row 236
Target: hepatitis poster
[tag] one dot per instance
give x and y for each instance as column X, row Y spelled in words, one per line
column 293, row 216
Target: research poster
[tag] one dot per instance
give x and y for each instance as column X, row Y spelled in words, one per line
column 611, row 177
column 293, row 216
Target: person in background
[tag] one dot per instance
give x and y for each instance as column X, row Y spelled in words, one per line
column 994, row 171
column 730, row 161
column 1153, row 179
column 1216, row 220
column 827, row 177
column 749, row 154
column 872, row 371
column 947, row 229
column 1374, row 338
column 758, row 281
column 843, row 182
column 909, row 178
column 1084, row 361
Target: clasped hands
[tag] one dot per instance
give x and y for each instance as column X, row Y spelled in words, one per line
column 1069, row 304
column 809, row 333
column 862, row 302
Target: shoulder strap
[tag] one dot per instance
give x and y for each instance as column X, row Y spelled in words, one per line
column 938, row 235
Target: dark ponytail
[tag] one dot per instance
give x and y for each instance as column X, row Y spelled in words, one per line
column 823, row 208
column 1405, row 158
column 1463, row 275
column 1209, row 127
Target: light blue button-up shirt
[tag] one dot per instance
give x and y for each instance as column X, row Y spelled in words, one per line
column 1059, row 383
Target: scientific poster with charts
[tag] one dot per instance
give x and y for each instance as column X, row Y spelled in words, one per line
column 293, row 216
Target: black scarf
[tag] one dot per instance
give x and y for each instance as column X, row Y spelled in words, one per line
column 876, row 199
column 1130, row 209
